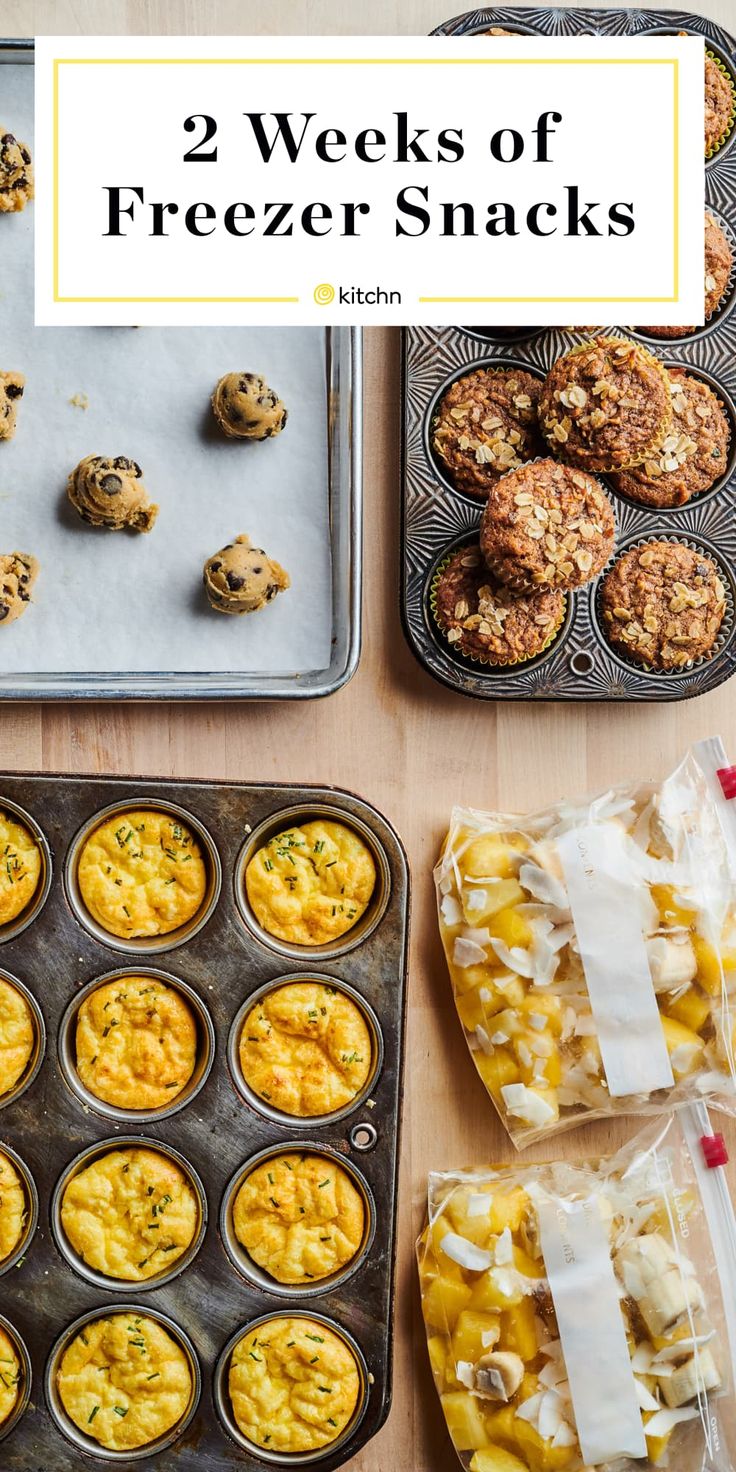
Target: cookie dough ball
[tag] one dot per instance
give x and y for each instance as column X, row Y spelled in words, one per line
column 663, row 604
column 16, row 174
column 11, row 390
column 18, row 573
column 109, row 492
column 605, row 405
column 246, row 408
column 483, row 620
column 241, row 578
column 293, row 1384
column 486, row 424
column 547, row 526
column 692, row 457
column 718, row 265
column 719, row 105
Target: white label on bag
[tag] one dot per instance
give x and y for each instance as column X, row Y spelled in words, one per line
column 606, row 911
column 584, row 1291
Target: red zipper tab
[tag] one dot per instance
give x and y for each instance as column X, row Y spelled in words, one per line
column 727, row 778
column 714, row 1146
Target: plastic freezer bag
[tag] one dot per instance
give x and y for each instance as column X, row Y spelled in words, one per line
column 592, row 948
column 579, row 1317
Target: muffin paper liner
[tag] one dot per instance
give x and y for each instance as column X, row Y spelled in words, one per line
column 654, row 443
column 729, row 409
column 476, row 658
column 726, row 134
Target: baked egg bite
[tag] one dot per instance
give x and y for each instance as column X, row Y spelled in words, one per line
column 11, row 1375
column 136, row 1043
column 20, row 867
column 310, row 885
column 124, row 1381
column 306, row 1049
column 300, row 1217
column 13, row 1207
column 130, row 1214
column 142, row 873
column 17, row 1036
column 294, row 1385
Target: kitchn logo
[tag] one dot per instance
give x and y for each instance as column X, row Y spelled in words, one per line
column 355, row 296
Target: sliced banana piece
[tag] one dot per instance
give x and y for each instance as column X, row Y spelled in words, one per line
column 671, row 961
column 698, row 1373
column 498, row 1375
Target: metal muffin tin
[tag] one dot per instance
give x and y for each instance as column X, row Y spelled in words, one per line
column 214, row 1295
column 579, row 664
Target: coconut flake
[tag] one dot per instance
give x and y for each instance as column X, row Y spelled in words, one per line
column 684, row 1057
column 564, row 1435
column 465, row 1253
column 465, row 1373
column 467, row 952
column 529, row 1408
column 585, row 1025
column 480, row 1203
column 504, row 1249
column 526, row 1104
column 451, row 911
column 488, row 1338
column 538, row 1020
column 484, row 1040
column 642, row 1358
column 499, row 1038
column 665, row 1421
column 543, row 885
column 477, row 900
column 550, row 1415
column 645, row 1398
column 514, row 958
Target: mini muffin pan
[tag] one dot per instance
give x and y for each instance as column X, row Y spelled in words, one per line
column 216, row 1131
column 579, row 664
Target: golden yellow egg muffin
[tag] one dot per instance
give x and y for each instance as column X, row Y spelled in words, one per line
column 306, row 1048
column 294, row 1385
column 311, row 884
column 11, row 1376
column 17, row 1036
column 124, row 1381
column 300, row 1217
column 13, row 1207
column 136, row 1043
column 130, row 1214
column 20, row 867
column 142, row 873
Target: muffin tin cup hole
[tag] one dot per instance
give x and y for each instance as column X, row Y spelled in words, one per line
column 205, row 1053
column 261, row 1105
column 33, row 1065
column 725, row 633
column 582, row 663
column 224, row 1409
column 239, row 1255
column 147, row 944
column 433, row 460
column 38, row 899
column 727, row 403
column 292, row 817
column 363, row 1137
column 31, row 1213
column 26, row 1378
column 86, row 1158
column 86, row 1444
column 464, row 661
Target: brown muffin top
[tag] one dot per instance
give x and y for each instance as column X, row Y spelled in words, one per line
column 547, row 525
column 692, row 456
column 481, row 618
column 663, row 604
column 719, row 99
column 718, row 263
column 486, row 424
column 605, row 405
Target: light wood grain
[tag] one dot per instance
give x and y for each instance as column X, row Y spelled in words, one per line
column 392, row 735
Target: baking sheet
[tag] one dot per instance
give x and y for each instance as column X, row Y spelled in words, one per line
column 107, row 602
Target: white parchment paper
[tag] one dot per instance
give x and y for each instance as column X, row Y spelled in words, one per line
column 117, row 601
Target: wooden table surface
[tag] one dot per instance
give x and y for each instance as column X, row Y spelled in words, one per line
column 393, row 735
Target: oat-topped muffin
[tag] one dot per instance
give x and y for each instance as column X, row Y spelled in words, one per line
column 693, row 455
column 486, row 424
column 718, row 263
column 547, row 526
column 605, row 405
column 663, row 604
column 482, row 619
column 719, row 105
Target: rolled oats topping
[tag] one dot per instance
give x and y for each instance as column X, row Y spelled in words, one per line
column 694, row 453
column 605, row 405
column 663, row 604
column 718, row 265
column 547, row 526
column 719, row 105
column 482, row 619
column 486, row 424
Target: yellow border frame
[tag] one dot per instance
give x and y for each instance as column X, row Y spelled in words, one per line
column 372, row 61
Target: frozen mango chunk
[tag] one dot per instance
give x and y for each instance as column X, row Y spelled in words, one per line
column 464, row 1420
column 496, row 1459
column 470, row 1331
column 489, row 857
column 496, row 1069
column 444, row 1300
column 691, row 1008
